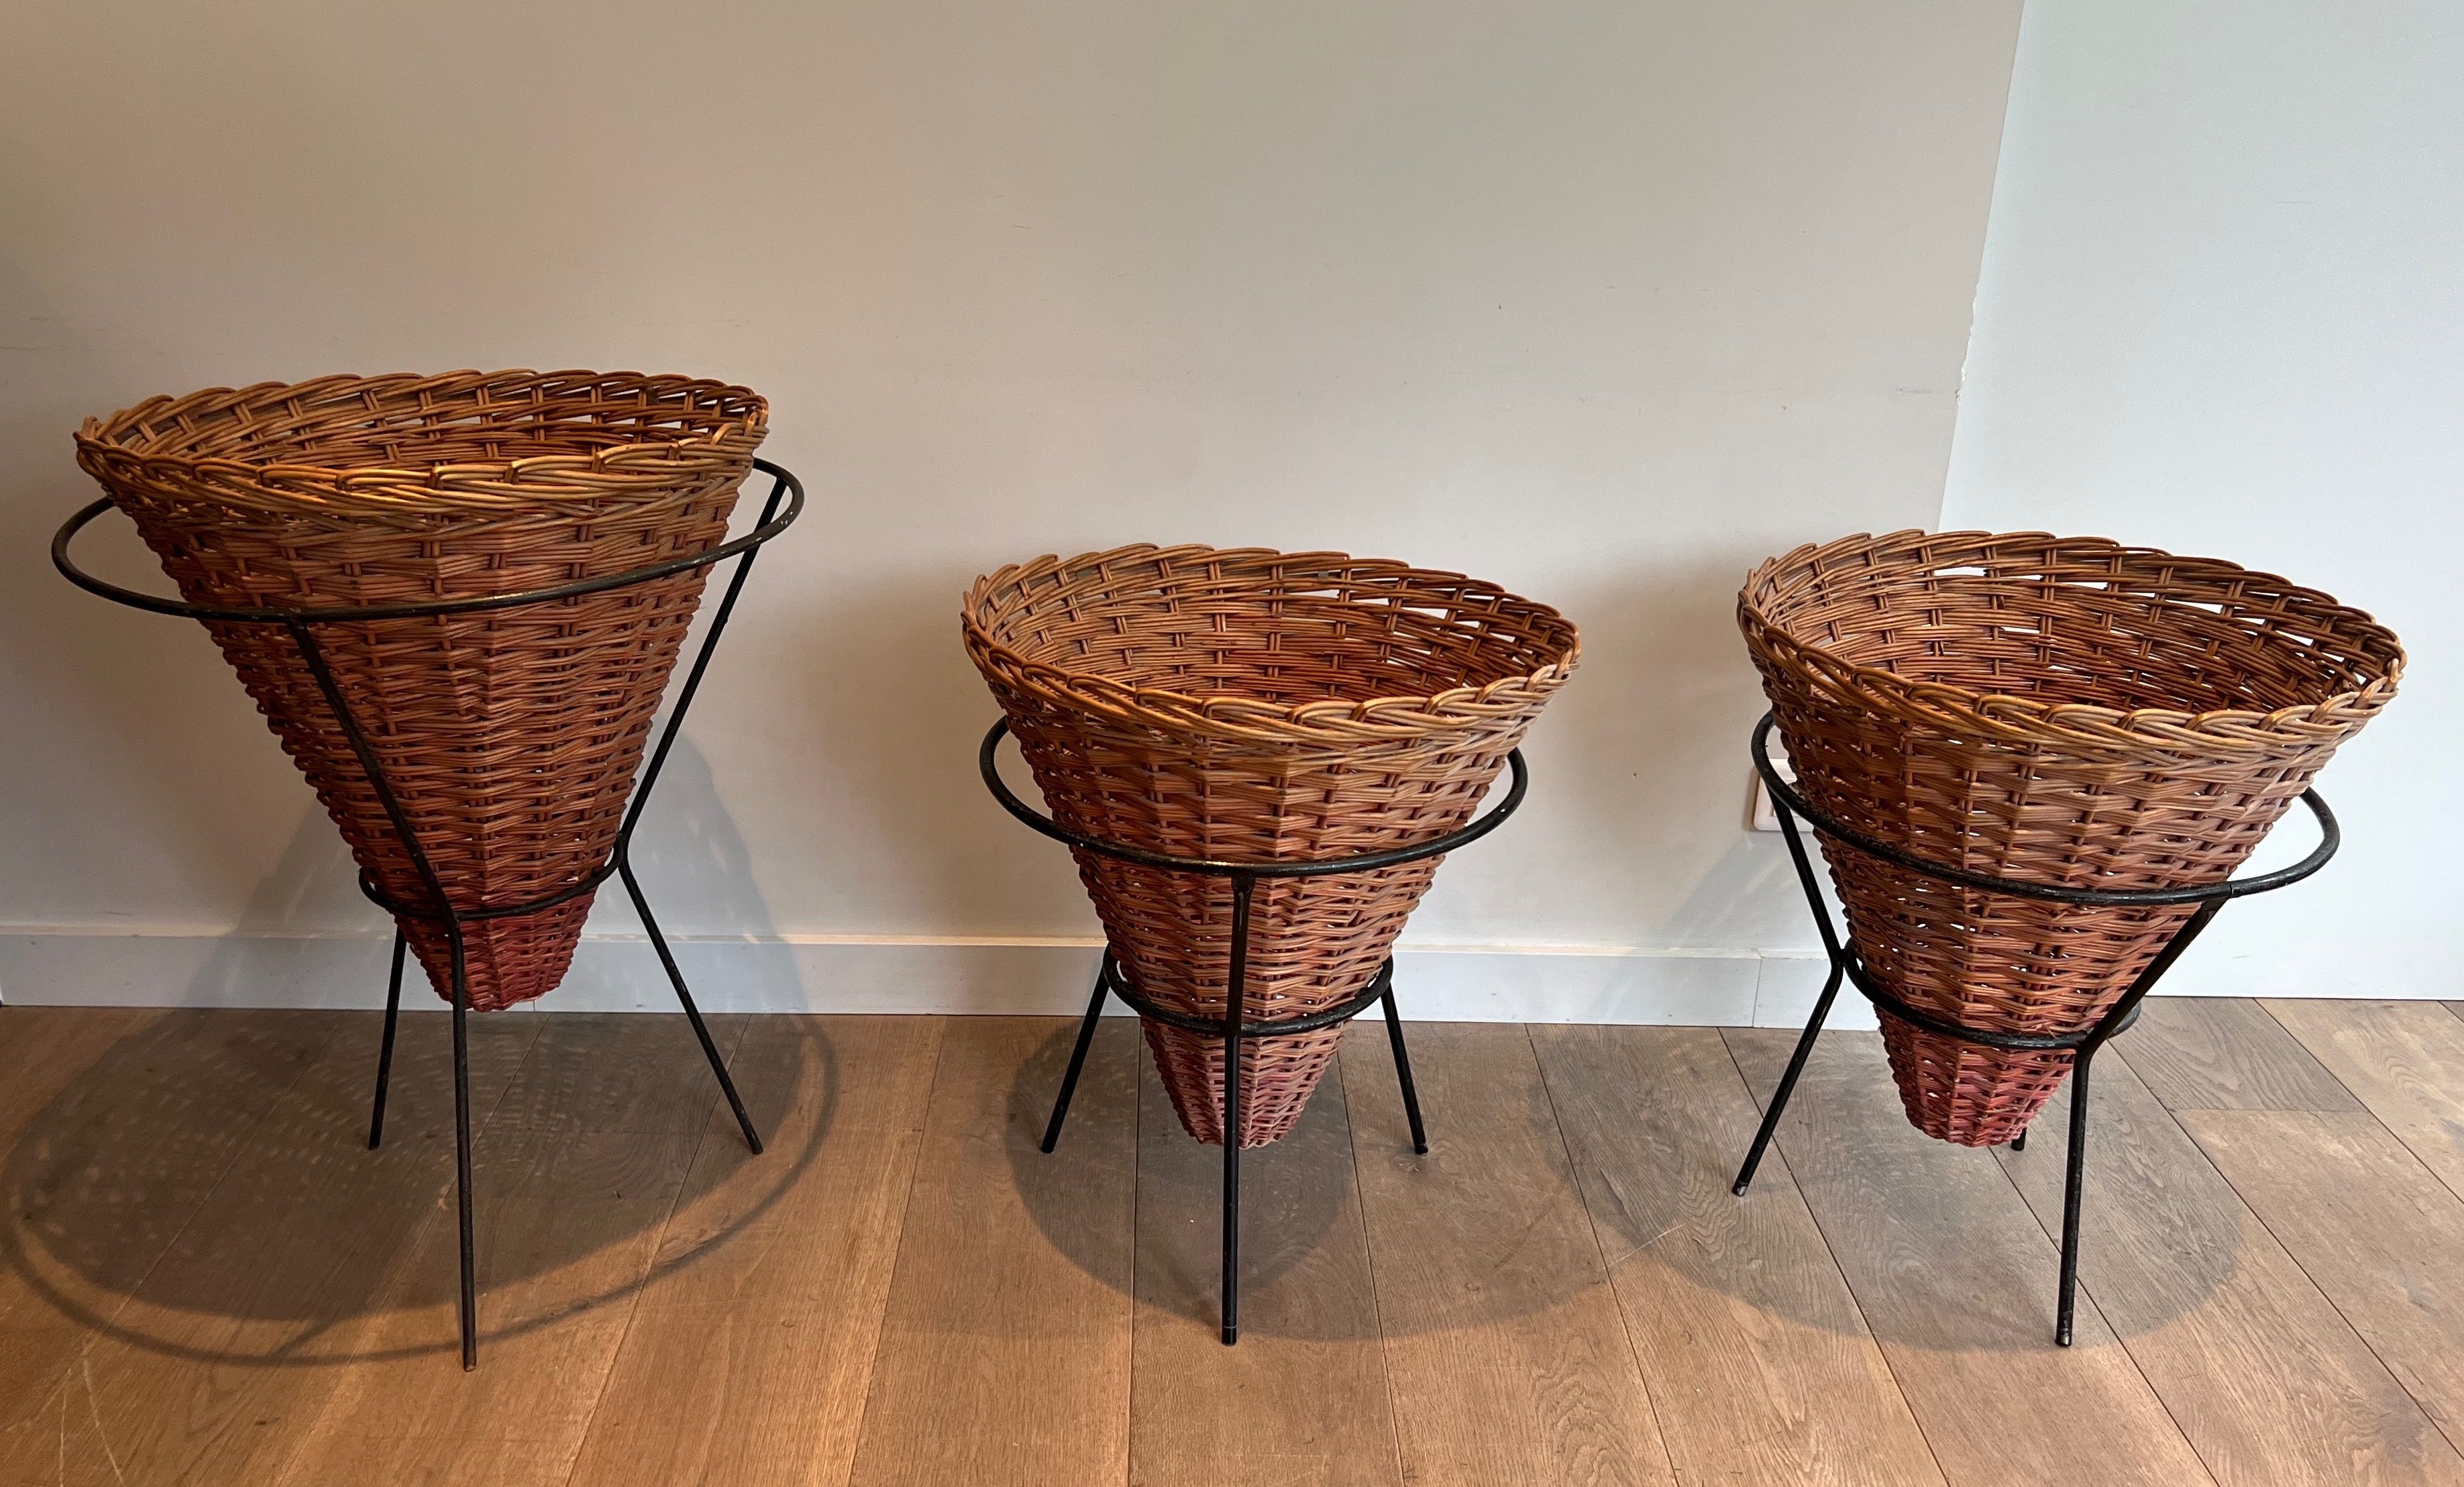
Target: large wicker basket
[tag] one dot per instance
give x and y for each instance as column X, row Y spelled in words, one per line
column 511, row 735
column 2055, row 710
column 1252, row 706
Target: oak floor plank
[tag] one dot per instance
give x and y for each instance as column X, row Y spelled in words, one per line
column 752, row 1345
column 1005, row 1358
column 573, row 1194
column 2405, row 1061
column 1955, row 1278
column 1304, row 1398
column 1755, row 1354
column 227, row 1345
column 607, row 1072
column 2263, row 1375
column 122, row 1125
column 2375, row 1229
column 1509, row 1356
column 2228, row 1053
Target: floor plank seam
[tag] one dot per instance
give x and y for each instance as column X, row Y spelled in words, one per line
column 649, row 1267
column 897, row 1250
column 1592, row 1227
column 1831, row 1252
column 2267, row 1005
column 1369, row 1253
column 2419, row 1403
column 2087, row 1293
column 108, row 1325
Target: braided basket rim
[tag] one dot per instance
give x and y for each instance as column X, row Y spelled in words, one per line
column 2016, row 719
column 1249, row 719
column 134, row 440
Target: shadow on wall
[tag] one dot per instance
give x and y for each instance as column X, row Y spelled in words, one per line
column 239, row 1145
column 1647, row 774
column 895, row 711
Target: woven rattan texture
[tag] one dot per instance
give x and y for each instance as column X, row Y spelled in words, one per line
column 511, row 735
column 2055, row 710
column 1245, row 705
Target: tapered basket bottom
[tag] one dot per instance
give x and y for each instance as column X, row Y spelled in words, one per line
column 1277, row 1077
column 1970, row 1094
column 506, row 962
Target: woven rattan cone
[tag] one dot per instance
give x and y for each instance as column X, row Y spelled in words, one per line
column 1245, row 705
column 511, row 735
column 2064, row 711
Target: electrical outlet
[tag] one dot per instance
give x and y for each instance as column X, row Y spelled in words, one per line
column 1762, row 814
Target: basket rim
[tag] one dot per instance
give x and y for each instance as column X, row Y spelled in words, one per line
column 647, row 463
column 2011, row 716
column 1396, row 716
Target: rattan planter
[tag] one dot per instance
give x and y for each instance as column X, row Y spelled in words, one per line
column 510, row 735
column 2051, row 710
column 1245, row 705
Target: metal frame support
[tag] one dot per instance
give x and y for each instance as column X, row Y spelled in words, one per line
column 2210, row 899
column 1111, row 981
column 437, row 906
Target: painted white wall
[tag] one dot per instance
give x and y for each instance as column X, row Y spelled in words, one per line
column 2222, row 312
column 1603, row 300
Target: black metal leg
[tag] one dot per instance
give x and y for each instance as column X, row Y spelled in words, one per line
column 1078, row 1054
column 314, row 654
column 1778, row 1105
column 1831, row 947
column 1403, row 1064
column 462, row 1152
column 385, row 1049
column 693, row 1014
column 1236, row 988
column 2020, row 1142
column 2074, row 1180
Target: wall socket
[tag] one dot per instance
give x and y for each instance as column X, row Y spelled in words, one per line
column 1760, row 812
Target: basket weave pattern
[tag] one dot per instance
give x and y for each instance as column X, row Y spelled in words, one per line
column 510, row 737
column 1253, row 706
column 2053, row 710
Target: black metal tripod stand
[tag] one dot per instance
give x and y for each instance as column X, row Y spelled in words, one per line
column 439, row 908
column 1844, row 964
column 1110, row 980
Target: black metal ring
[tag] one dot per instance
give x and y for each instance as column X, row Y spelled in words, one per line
column 1322, row 867
column 590, row 885
column 1118, row 984
column 2330, row 837
column 376, row 611
column 1991, row 1037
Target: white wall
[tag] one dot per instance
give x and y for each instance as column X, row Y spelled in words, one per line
column 1605, row 301
column 2222, row 312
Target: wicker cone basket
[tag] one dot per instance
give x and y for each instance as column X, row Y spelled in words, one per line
column 1252, row 706
column 509, row 736
column 2055, row 710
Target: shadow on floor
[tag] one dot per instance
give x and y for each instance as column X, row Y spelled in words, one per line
column 205, row 1188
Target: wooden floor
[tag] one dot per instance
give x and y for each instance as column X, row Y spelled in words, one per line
column 206, row 1276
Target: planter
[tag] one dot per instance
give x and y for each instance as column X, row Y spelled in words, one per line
column 511, row 735
column 1241, row 705
column 2057, row 711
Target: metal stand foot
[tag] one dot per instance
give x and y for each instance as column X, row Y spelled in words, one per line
column 1403, row 1064
column 693, row 1014
column 469, row 1309
column 385, row 1049
column 1078, row 1054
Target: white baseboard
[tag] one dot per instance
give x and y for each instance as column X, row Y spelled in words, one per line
column 1470, row 983
column 94, row 967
